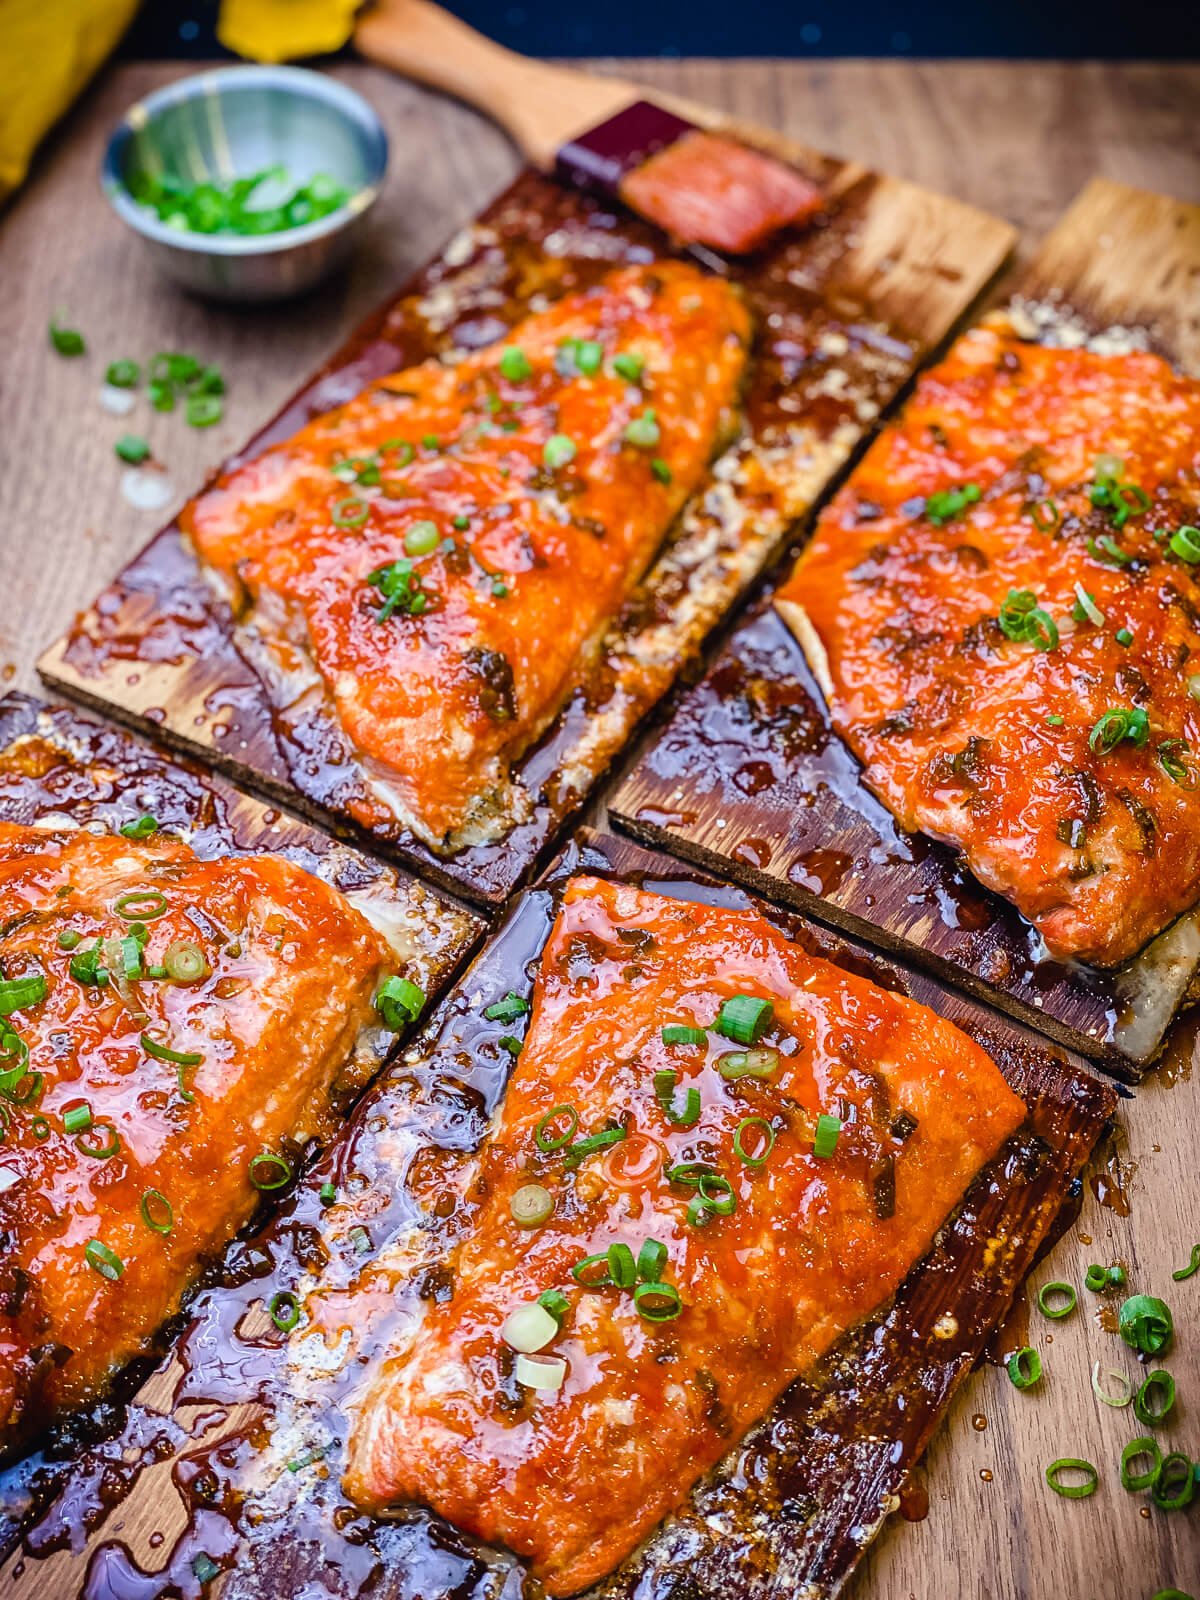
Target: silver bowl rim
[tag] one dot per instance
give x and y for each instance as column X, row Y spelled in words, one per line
column 295, row 80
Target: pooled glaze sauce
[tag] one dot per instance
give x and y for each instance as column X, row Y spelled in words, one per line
column 818, row 1466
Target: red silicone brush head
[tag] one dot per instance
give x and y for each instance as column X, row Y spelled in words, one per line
column 704, row 189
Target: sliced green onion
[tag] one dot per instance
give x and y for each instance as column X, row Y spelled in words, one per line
column 306, row 1458
column 684, row 1116
column 540, row 1372
column 1096, row 1278
column 759, row 1125
column 1193, row 1266
column 555, row 1302
column 582, row 1148
column 162, row 1052
column 285, row 1310
column 204, row 1568
column 559, row 451
column 510, row 1042
column 1155, row 1399
column 652, row 1258
column 16, row 994
column 1124, row 1391
column 141, row 829
column 661, row 470
column 103, row 1260
column 629, row 366
column 1145, row 1323
column 1024, row 1368
column 1174, row 1474
column 421, row 538
column 67, row 341
column 531, row 1205
column 679, row 1033
column 657, row 1302
column 825, row 1138
column 548, row 1142
column 1185, row 543
column 1130, row 1477
column 514, row 365
column 140, row 905
column 399, row 1002
column 1045, row 515
column 184, row 1092
column 1086, row 608
column 185, row 962
column 327, row 1193
column 1176, row 769
column 1024, row 621
column 1066, row 1296
column 945, row 504
column 268, row 1171
column 77, row 1119
column 1124, row 636
column 584, row 1271
column 157, row 1212
column 350, row 512
column 622, row 1269
column 99, row 1148
column 529, row 1328
column 123, row 374
column 40, row 1128
column 1105, row 549
column 643, row 432
column 1072, row 1491
column 757, row 1063
column 132, row 449
column 68, row 939
column 744, row 1018
column 508, row 1009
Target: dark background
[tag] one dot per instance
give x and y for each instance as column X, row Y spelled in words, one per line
column 1111, row 29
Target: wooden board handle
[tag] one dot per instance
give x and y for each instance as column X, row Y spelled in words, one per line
column 538, row 105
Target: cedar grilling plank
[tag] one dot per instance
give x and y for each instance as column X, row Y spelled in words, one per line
column 575, row 1479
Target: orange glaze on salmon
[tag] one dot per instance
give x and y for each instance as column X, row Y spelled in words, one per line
column 574, row 1479
column 281, row 979
column 522, row 492
column 703, row 189
column 989, row 741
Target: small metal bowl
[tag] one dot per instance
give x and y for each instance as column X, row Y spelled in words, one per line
column 227, row 124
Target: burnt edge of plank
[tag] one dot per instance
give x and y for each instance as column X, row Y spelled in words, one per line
column 977, row 939
column 312, row 770
column 827, row 1460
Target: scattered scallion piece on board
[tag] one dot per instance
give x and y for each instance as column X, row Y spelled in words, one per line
column 1193, row 1266
column 1132, row 1478
column 1123, row 1394
column 123, row 374
column 1073, row 1491
column 1145, row 1323
column 67, row 341
column 1024, row 1367
column 1174, row 1485
column 1155, row 1399
column 1065, row 1295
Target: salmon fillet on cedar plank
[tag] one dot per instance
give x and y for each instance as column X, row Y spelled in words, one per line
column 165, row 1023
column 739, row 1254
column 448, row 548
column 1002, row 609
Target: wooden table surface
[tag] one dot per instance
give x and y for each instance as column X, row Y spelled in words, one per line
column 1017, row 138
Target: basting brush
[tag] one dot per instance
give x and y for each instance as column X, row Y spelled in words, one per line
column 702, row 187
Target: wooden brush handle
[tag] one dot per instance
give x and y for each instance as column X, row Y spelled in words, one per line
column 538, row 105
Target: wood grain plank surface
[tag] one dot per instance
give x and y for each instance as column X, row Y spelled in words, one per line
column 748, row 770
column 1020, row 139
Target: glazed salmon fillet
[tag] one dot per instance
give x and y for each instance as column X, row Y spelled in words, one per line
column 740, row 1254
column 446, row 550
column 1002, row 609
column 165, row 1023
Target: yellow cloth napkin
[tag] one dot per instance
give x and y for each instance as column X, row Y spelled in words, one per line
column 50, row 49
column 281, row 30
